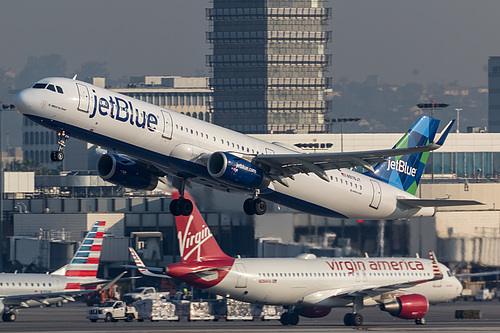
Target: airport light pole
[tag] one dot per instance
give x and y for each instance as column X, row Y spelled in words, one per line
column 4, row 107
column 341, row 120
column 458, row 119
column 432, row 106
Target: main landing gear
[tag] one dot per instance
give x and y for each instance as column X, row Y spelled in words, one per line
column 353, row 319
column 181, row 206
column 9, row 316
column 58, row 155
column 289, row 318
column 420, row 321
column 255, row 205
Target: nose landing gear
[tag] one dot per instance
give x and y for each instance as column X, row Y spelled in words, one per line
column 58, row 155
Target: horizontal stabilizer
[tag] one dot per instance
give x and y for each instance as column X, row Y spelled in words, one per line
column 437, row 202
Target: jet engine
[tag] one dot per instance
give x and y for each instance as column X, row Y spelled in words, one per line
column 413, row 306
column 119, row 170
column 236, row 171
column 313, row 312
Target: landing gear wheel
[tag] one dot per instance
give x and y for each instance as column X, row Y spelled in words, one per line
column 420, row 321
column 348, row 319
column 8, row 316
column 248, row 207
column 259, row 206
column 294, row 318
column 357, row 319
column 57, row 156
column 254, row 206
column 185, row 207
column 181, row 207
column 174, row 207
column 285, row 319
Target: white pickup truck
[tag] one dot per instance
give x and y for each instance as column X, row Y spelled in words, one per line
column 141, row 293
column 113, row 311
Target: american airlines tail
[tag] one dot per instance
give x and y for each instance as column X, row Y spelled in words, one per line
column 196, row 242
column 86, row 260
column 404, row 172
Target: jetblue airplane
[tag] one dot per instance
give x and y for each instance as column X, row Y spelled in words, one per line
column 306, row 285
column 149, row 144
column 24, row 290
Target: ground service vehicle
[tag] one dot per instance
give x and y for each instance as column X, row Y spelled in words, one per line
column 112, row 311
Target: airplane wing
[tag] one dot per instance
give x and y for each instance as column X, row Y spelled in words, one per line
column 286, row 165
column 460, row 276
column 25, row 301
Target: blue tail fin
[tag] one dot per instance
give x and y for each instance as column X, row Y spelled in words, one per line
column 405, row 171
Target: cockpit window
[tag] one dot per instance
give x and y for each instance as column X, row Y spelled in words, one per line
column 51, row 87
column 59, row 90
column 40, row 85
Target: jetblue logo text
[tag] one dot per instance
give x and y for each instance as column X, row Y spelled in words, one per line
column 401, row 166
column 123, row 111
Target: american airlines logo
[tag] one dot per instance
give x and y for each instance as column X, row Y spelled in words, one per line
column 189, row 243
column 401, row 166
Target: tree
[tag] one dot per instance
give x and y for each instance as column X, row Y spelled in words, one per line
column 39, row 67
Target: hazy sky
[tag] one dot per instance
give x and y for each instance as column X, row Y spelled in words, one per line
column 445, row 40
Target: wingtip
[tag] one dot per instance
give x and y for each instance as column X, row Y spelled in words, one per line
column 445, row 132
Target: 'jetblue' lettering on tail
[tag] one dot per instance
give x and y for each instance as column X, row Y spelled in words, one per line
column 404, row 172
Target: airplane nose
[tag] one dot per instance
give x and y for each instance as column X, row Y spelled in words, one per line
column 460, row 287
column 22, row 101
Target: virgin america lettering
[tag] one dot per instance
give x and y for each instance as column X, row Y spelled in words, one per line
column 192, row 242
column 375, row 265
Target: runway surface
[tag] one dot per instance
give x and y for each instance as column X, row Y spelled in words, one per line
column 440, row 318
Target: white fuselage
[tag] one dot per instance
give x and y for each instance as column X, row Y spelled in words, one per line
column 331, row 282
column 32, row 284
column 179, row 145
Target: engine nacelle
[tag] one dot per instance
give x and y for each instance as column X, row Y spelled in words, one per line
column 125, row 172
column 413, row 306
column 236, row 171
column 313, row 311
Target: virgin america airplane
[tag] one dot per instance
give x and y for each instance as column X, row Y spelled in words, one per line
column 306, row 285
column 150, row 144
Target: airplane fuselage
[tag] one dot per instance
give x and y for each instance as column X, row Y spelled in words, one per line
column 27, row 283
column 180, row 145
column 326, row 282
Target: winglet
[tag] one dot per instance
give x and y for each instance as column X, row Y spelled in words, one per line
column 438, row 275
column 445, row 132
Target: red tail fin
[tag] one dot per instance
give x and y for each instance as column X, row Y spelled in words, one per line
column 196, row 242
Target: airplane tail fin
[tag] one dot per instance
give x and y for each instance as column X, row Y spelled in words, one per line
column 137, row 260
column 405, row 171
column 86, row 260
column 196, row 242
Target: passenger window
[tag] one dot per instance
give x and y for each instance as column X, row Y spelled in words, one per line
column 59, row 90
column 51, row 87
